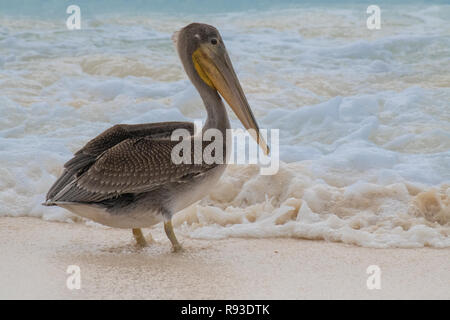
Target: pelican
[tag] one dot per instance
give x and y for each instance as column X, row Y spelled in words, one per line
column 125, row 177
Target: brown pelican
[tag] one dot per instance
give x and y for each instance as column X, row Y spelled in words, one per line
column 125, row 177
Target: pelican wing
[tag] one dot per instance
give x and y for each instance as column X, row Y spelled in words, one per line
column 89, row 154
column 133, row 166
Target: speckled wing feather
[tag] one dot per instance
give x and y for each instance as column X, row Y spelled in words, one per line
column 133, row 166
column 87, row 156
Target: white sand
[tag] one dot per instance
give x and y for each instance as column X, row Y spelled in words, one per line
column 36, row 253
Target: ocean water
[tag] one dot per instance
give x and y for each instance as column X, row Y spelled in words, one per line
column 364, row 115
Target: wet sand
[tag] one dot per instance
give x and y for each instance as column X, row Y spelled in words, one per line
column 36, row 253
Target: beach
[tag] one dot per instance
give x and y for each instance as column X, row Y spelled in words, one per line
column 36, row 254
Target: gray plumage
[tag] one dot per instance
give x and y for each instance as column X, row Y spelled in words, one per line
column 124, row 160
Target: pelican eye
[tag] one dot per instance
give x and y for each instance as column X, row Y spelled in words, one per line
column 213, row 41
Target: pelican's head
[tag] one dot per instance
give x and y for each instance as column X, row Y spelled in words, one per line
column 206, row 61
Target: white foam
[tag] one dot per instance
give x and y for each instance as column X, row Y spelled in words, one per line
column 300, row 205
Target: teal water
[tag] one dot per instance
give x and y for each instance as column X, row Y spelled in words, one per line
column 53, row 8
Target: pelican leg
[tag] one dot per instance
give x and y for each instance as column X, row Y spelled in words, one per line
column 140, row 239
column 168, row 228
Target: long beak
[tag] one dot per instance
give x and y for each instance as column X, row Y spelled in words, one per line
column 217, row 71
